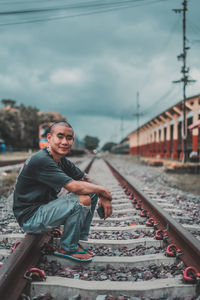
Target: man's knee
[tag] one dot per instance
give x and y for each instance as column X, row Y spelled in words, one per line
column 84, row 200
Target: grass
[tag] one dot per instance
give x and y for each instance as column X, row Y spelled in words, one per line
column 7, row 183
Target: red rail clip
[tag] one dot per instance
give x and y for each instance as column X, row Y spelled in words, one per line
column 138, row 206
column 151, row 222
column 134, row 201
column 35, row 274
column 131, row 196
column 161, row 235
column 15, row 246
column 144, row 213
column 173, row 251
column 191, row 275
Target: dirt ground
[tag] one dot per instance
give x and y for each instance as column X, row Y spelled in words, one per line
column 186, row 182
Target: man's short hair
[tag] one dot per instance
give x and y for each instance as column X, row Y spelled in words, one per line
column 59, row 123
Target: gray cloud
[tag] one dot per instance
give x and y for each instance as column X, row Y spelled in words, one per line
column 91, row 67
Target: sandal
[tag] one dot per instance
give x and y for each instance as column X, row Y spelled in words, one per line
column 80, row 256
column 86, row 250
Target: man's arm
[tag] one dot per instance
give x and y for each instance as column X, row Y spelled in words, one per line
column 106, row 203
column 88, row 179
column 86, row 188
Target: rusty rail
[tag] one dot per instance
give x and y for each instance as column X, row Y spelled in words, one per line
column 4, row 163
column 184, row 240
column 87, row 169
column 25, row 256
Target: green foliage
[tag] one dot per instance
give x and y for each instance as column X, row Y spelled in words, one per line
column 10, row 127
column 8, row 102
column 19, row 125
column 29, row 126
column 91, row 143
column 108, row 146
column 49, row 117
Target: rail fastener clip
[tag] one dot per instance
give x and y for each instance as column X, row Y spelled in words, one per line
column 191, row 275
column 173, row 251
column 161, row 235
column 152, row 222
column 35, row 274
column 15, row 246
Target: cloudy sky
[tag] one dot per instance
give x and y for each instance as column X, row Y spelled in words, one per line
column 87, row 59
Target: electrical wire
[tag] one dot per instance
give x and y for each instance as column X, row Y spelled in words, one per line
column 78, row 5
column 162, row 99
column 195, row 30
column 114, row 5
column 162, row 49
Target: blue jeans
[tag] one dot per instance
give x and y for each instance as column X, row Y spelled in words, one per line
column 66, row 211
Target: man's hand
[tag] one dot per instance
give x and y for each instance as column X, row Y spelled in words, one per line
column 107, row 205
column 105, row 194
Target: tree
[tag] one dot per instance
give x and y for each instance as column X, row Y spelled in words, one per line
column 51, row 117
column 10, row 127
column 91, row 142
column 29, row 126
column 108, row 146
column 19, row 125
column 8, row 102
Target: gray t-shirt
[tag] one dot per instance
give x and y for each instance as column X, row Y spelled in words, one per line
column 39, row 182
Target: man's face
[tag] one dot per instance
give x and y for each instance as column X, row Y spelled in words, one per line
column 60, row 140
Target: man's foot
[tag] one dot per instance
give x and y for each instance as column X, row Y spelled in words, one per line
column 78, row 255
column 86, row 250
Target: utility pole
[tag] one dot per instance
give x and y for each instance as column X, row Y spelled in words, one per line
column 138, row 114
column 138, row 121
column 122, row 128
column 185, row 79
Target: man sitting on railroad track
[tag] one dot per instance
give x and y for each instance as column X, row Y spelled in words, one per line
column 39, row 204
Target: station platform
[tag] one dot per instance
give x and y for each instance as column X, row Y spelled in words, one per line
column 172, row 165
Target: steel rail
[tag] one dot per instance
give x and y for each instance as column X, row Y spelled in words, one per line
column 5, row 163
column 183, row 239
column 87, row 169
column 25, row 256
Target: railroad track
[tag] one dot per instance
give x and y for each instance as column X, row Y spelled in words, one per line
column 4, row 163
column 139, row 251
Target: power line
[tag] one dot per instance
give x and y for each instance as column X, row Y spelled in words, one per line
column 102, row 8
column 162, row 49
column 195, row 30
column 74, row 5
column 162, row 98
